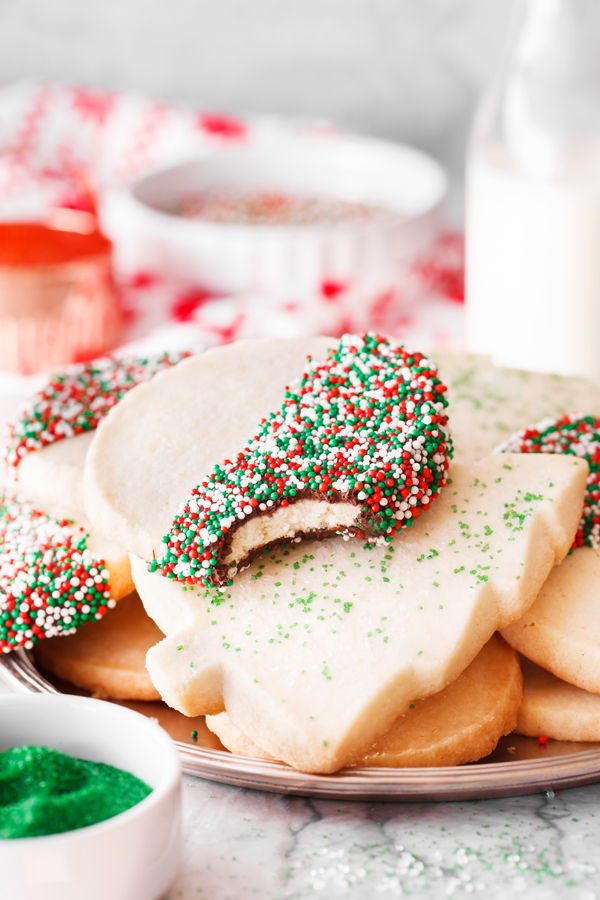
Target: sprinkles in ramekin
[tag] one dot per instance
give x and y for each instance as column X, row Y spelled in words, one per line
column 366, row 427
column 77, row 399
column 50, row 583
column 577, row 435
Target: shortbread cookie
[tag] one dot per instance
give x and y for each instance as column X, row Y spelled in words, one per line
column 574, row 435
column 556, row 709
column 487, row 402
column 54, row 474
column 54, row 576
column 461, row 724
column 314, row 651
column 358, row 447
column 561, row 630
column 45, row 465
column 107, row 658
column 165, row 436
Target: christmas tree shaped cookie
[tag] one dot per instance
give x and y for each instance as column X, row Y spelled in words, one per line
column 317, row 648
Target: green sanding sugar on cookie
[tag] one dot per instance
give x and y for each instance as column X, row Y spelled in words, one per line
column 576, row 435
column 77, row 399
column 367, row 427
column 50, row 583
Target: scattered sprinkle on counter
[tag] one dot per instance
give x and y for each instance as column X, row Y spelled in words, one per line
column 368, row 426
column 44, row 791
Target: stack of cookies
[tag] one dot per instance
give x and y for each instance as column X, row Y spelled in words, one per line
column 57, row 572
column 323, row 566
column 559, row 635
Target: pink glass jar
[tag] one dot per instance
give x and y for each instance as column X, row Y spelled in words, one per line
column 58, row 302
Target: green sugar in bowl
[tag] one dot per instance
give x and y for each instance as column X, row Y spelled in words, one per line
column 90, row 801
column 44, row 791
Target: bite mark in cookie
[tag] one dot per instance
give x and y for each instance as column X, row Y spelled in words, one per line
column 360, row 441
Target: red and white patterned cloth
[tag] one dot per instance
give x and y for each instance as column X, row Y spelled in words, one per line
column 50, row 134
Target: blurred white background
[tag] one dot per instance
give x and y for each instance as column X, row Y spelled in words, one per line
column 406, row 69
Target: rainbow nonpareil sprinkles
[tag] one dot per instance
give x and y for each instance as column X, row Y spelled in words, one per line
column 577, row 435
column 366, row 427
column 77, row 400
column 50, row 583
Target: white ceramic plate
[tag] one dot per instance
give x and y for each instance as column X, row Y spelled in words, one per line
column 517, row 766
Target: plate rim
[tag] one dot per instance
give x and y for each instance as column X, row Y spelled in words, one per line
column 469, row 781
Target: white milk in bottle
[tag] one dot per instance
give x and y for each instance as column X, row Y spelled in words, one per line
column 533, row 200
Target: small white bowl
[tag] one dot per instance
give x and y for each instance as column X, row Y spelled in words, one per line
column 132, row 856
column 363, row 257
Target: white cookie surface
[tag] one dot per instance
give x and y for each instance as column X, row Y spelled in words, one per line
column 488, row 403
column 54, row 474
column 165, row 436
column 315, row 650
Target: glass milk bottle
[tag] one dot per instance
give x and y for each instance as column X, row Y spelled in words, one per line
column 533, row 196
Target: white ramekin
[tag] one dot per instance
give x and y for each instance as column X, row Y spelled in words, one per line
column 133, row 856
column 364, row 257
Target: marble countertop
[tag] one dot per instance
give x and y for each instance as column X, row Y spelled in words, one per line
column 246, row 844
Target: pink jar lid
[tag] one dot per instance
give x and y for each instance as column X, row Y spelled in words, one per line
column 25, row 244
